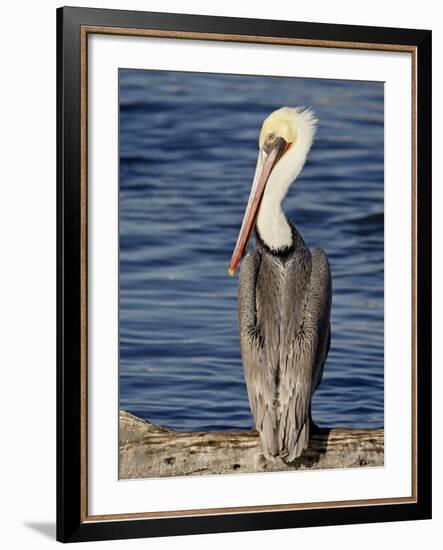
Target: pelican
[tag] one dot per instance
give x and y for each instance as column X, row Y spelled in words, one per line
column 284, row 293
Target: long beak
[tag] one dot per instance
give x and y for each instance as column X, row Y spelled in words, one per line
column 265, row 164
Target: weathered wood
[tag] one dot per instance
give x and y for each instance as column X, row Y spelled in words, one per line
column 147, row 450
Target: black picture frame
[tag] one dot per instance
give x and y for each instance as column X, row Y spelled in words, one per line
column 72, row 525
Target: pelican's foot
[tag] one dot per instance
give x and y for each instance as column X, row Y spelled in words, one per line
column 272, row 461
column 265, row 458
column 296, row 453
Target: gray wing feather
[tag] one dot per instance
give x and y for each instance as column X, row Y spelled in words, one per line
column 302, row 358
column 259, row 378
column 283, row 370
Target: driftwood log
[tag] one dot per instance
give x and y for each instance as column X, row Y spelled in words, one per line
column 147, row 450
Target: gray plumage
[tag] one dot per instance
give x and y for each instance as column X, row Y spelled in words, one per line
column 284, row 310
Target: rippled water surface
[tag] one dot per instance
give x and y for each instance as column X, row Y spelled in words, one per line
column 188, row 147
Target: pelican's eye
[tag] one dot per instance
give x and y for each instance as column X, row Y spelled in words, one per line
column 271, row 137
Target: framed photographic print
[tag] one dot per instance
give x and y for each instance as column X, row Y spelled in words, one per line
column 244, row 274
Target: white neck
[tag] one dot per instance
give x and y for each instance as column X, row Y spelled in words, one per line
column 272, row 224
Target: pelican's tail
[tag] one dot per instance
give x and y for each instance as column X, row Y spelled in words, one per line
column 300, row 444
column 267, row 438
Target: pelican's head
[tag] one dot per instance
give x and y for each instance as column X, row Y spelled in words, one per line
column 285, row 139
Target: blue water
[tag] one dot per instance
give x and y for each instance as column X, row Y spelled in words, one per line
column 188, row 148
